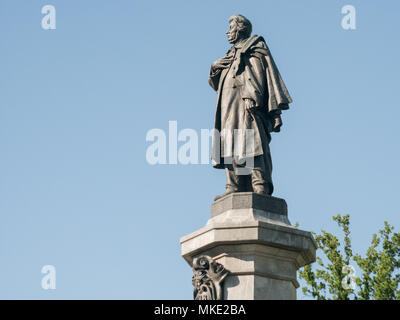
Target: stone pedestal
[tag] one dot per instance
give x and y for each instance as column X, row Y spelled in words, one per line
column 251, row 237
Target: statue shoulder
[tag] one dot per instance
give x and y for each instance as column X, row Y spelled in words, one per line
column 259, row 46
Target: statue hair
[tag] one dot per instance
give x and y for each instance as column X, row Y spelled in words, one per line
column 244, row 25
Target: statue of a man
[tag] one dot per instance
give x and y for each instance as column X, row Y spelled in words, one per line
column 250, row 97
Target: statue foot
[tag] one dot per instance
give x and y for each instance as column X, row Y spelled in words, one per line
column 263, row 190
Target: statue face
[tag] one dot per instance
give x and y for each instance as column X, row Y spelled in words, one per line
column 233, row 32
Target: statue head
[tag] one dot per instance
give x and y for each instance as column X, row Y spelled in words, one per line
column 239, row 28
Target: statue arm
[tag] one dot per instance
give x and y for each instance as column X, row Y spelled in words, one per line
column 216, row 69
column 256, row 90
column 215, row 75
column 254, row 80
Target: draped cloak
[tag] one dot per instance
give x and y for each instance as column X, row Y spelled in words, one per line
column 252, row 74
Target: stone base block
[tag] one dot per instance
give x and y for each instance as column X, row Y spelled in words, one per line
column 251, row 236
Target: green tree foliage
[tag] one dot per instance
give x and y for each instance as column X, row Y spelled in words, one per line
column 331, row 279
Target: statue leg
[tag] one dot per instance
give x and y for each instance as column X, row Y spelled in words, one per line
column 243, row 176
column 255, row 180
column 259, row 184
column 261, row 181
column 232, row 183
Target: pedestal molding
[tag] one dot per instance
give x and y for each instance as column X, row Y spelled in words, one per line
column 251, row 236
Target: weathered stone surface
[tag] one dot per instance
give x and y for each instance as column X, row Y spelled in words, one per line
column 208, row 276
column 258, row 246
column 245, row 200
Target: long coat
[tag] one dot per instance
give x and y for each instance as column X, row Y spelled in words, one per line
column 252, row 74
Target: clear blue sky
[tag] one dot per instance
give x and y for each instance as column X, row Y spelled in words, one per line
column 76, row 103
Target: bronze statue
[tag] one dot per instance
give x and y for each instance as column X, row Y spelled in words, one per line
column 250, row 98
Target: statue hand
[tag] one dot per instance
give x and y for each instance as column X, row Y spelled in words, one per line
column 222, row 63
column 277, row 124
column 249, row 104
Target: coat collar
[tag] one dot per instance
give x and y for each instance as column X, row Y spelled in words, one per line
column 246, row 45
column 250, row 42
